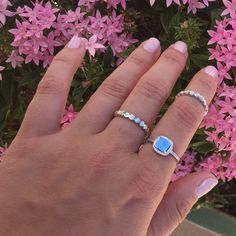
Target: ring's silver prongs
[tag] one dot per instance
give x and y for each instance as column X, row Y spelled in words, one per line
column 164, row 146
column 133, row 118
column 197, row 96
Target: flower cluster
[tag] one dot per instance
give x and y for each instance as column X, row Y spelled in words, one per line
column 185, row 166
column 222, row 169
column 89, row 4
column 193, row 5
column 220, row 122
column 32, row 42
column 221, row 130
column 225, row 50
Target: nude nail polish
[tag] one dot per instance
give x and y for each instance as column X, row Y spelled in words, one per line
column 181, row 47
column 205, row 187
column 212, row 71
column 151, row 45
column 74, row 42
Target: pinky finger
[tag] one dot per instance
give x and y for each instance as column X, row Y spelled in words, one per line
column 178, row 201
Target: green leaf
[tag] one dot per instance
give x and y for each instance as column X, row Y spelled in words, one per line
column 203, row 147
column 127, row 52
column 108, row 58
column 200, row 60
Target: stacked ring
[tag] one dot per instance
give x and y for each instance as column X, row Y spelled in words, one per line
column 138, row 121
column 197, row 96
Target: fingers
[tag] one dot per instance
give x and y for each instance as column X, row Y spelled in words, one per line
column 45, row 111
column 99, row 110
column 178, row 201
column 150, row 93
column 181, row 122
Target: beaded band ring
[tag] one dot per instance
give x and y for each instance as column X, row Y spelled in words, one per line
column 197, row 96
column 133, row 118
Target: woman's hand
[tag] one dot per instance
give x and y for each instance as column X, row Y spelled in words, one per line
column 91, row 178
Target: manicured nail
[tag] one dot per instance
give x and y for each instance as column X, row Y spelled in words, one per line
column 212, row 71
column 205, row 187
column 74, row 42
column 152, row 45
column 181, row 47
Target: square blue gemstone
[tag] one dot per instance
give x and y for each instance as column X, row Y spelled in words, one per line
column 162, row 144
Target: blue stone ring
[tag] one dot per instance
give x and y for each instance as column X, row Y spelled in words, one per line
column 164, row 146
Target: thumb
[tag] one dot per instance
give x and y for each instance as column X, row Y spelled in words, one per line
column 178, row 201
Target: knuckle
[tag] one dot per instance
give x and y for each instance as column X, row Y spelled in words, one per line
column 188, row 114
column 208, row 84
column 115, row 88
column 137, row 60
column 182, row 206
column 153, row 90
column 174, row 59
column 63, row 60
column 50, row 85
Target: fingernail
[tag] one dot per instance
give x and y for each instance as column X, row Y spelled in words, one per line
column 205, row 187
column 181, row 47
column 152, row 45
column 74, row 42
column 212, row 71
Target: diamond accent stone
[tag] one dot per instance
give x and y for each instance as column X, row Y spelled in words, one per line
column 132, row 117
column 137, row 120
column 126, row 114
column 142, row 123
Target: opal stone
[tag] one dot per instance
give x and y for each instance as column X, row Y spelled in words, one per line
column 162, row 144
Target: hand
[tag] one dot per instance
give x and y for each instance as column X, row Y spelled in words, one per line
column 91, row 178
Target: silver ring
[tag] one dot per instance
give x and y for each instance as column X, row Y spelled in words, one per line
column 164, row 146
column 138, row 121
column 196, row 95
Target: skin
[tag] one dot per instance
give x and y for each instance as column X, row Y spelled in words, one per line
column 91, row 178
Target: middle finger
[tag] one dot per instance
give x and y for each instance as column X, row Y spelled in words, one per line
column 148, row 96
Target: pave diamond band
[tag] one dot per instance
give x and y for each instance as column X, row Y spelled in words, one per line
column 164, row 146
column 196, row 95
column 133, row 118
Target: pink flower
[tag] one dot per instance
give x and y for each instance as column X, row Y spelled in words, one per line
column 15, row 59
column 230, row 7
column 4, row 12
column 223, row 72
column 169, row 2
column 92, row 45
column 216, row 36
column 68, row 116
column 194, row 5
column 228, row 56
column 152, row 2
column 215, row 52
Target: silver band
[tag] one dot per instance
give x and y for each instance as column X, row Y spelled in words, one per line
column 138, row 121
column 196, row 95
column 171, row 152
